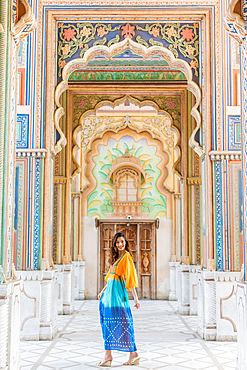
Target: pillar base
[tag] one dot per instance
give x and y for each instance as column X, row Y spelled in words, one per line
column 217, row 309
column 211, row 265
column 39, row 298
column 45, row 264
column 241, row 293
column 66, row 289
column 79, row 271
column 184, row 292
column 186, row 260
column 172, row 283
column 10, row 293
column 193, row 269
column 65, row 260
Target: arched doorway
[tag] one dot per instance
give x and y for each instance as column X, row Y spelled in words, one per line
column 178, row 102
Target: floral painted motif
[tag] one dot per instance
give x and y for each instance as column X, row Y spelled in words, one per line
column 62, row 64
column 128, row 31
column 190, row 49
column 69, row 34
column 65, row 49
column 101, row 31
column 171, row 104
column 193, row 64
column 86, row 31
column 180, row 38
column 81, row 103
column 183, row 38
column 155, row 31
column 187, row 34
column 170, row 32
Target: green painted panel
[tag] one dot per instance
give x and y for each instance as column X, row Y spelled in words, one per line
column 126, row 76
column 99, row 201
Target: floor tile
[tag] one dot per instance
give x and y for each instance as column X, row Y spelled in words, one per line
column 163, row 340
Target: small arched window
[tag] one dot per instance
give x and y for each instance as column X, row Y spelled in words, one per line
column 127, row 189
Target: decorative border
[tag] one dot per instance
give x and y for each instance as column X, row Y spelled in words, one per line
column 37, row 215
column 219, row 214
column 22, row 200
column 233, row 121
column 23, row 121
column 244, row 144
column 77, row 36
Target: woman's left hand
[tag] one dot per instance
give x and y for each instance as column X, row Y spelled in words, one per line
column 137, row 304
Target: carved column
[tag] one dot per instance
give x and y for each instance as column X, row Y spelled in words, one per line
column 3, row 96
column 184, row 287
column 194, row 184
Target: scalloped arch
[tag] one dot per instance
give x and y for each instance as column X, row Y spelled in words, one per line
column 173, row 157
column 144, row 52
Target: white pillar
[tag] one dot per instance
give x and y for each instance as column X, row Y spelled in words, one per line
column 39, row 297
column 184, row 294
column 172, row 282
column 79, row 276
column 241, row 293
column 66, row 289
column 209, row 300
column 193, row 288
column 10, row 325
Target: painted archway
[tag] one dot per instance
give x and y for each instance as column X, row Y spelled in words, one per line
column 109, row 53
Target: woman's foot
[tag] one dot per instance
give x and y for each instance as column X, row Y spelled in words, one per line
column 134, row 359
column 106, row 361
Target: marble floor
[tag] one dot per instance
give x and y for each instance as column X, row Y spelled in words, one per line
column 165, row 340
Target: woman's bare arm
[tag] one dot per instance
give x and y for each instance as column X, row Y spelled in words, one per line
column 137, row 303
column 102, row 291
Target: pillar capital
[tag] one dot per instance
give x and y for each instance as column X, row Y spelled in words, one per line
column 211, row 265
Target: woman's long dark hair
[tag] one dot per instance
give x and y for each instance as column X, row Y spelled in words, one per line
column 114, row 251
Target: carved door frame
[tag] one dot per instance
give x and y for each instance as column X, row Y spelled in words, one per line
column 139, row 223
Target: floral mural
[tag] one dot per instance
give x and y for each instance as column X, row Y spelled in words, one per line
column 99, row 201
column 182, row 39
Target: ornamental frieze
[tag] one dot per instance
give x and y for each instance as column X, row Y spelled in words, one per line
column 182, row 39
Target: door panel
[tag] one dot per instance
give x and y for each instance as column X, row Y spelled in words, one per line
column 106, row 234
column 141, row 237
column 131, row 235
column 146, row 260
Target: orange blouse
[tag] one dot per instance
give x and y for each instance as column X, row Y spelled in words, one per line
column 125, row 268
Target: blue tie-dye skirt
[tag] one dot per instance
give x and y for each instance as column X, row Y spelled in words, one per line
column 116, row 317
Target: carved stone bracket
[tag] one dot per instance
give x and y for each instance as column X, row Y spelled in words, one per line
column 234, row 23
column 25, row 25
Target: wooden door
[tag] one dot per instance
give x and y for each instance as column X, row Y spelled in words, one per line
column 146, row 260
column 141, row 237
column 107, row 232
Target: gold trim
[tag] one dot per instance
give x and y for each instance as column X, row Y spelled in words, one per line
column 194, row 181
column 60, row 180
column 75, row 195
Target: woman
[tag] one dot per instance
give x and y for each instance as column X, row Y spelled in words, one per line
column 115, row 313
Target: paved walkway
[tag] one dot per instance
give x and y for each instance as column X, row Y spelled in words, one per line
column 165, row 340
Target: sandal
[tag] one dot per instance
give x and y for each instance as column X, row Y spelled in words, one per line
column 105, row 364
column 135, row 361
